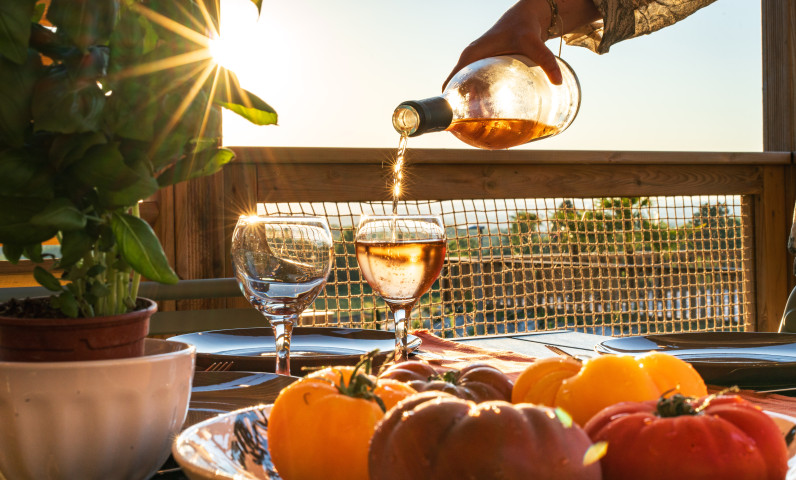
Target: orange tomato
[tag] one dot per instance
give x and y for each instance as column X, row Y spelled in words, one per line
column 583, row 390
column 539, row 383
column 316, row 429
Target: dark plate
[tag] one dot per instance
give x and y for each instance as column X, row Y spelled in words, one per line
column 747, row 359
column 252, row 349
column 214, row 393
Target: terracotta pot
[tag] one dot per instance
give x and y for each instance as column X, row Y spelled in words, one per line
column 74, row 339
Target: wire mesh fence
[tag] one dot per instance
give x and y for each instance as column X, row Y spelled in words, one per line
column 611, row 266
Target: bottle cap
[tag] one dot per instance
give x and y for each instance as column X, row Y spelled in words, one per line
column 417, row 117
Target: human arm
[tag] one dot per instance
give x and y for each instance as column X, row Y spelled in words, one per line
column 523, row 29
column 594, row 24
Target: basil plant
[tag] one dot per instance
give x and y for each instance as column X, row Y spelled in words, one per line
column 102, row 103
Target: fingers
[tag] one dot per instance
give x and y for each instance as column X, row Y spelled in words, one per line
column 537, row 51
column 547, row 61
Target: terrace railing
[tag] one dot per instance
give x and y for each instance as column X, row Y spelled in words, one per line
column 617, row 243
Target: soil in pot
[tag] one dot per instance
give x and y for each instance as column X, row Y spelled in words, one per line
column 30, row 331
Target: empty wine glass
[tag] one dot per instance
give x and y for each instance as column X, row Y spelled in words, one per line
column 281, row 264
column 400, row 256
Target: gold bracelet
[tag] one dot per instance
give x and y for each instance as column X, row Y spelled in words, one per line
column 556, row 22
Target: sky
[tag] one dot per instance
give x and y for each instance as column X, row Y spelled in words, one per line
column 335, row 71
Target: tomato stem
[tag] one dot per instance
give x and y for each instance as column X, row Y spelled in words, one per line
column 360, row 385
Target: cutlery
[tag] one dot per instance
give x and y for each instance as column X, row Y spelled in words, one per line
column 561, row 352
column 219, row 367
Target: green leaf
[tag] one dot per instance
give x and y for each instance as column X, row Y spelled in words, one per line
column 250, row 107
column 23, row 174
column 65, row 105
column 33, row 252
column 46, row 279
column 95, row 270
column 99, row 289
column 85, row 22
column 67, row 303
column 15, row 227
column 68, row 148
column 15, row 29
column 199, row 165
column 38, row 12
column 13, row 252
column 231, row 96
column 16, row 90
column 103, row 167
column 144, row 185
column 140, row 247
column 74, row 245
column 259, row 5
column 132, row 110
column 61, row 214
column 143, row 188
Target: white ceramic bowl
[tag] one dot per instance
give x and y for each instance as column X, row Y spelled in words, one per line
column 103, row 419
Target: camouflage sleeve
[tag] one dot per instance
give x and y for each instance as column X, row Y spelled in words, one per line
column 623, row 19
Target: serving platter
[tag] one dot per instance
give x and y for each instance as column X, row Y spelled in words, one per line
column 752, row 360
column 252, row 349
column 234, row 446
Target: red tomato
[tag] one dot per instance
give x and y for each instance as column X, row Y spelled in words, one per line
column 722, row 437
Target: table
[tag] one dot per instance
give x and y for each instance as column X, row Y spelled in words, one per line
column 520, row 346
column 533, row 344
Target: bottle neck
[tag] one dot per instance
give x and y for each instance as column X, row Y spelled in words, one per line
column 416, row 117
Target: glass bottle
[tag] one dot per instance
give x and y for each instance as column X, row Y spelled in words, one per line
column 495, row 103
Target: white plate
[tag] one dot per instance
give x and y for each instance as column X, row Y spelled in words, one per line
column 233, row 446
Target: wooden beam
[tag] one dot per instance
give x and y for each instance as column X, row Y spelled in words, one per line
column 385, row 156
column 370, row 182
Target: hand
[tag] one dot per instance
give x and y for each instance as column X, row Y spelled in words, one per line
column 521, row 30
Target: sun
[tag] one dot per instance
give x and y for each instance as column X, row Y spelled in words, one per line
column 233, row 47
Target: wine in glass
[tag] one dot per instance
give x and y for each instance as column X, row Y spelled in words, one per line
column 400, row 257
column 281, row 264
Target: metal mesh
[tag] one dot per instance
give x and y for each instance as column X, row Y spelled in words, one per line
column 611, row 266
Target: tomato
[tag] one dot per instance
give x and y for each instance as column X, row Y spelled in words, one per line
column 434, row 435
column 722, row 437
column 320, row 426
column 583, row 390
column 478, row 382
column 539, row 383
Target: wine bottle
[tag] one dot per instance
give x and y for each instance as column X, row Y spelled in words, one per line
column 496, row 103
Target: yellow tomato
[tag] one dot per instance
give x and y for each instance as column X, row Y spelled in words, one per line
column 539, row 383
column 583, row 390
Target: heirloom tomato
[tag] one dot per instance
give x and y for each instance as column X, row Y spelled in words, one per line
column 320, row 426
column 584, row 389
column 723, row 437
column 478, row 382
column 437, row 436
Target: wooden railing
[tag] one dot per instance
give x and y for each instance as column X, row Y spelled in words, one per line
column 195, row 220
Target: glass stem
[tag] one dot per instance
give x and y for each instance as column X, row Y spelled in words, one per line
column 283, row 329
column 401, row 316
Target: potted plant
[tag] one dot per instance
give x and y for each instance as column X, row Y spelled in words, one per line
column 102, row 103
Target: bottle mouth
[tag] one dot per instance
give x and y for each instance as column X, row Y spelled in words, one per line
column 405, row 119
column 416, row 117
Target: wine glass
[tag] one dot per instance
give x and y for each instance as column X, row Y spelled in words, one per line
column 400, row 256
column 281, row 264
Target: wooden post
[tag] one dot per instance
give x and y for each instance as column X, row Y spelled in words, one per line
column 779, row 126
